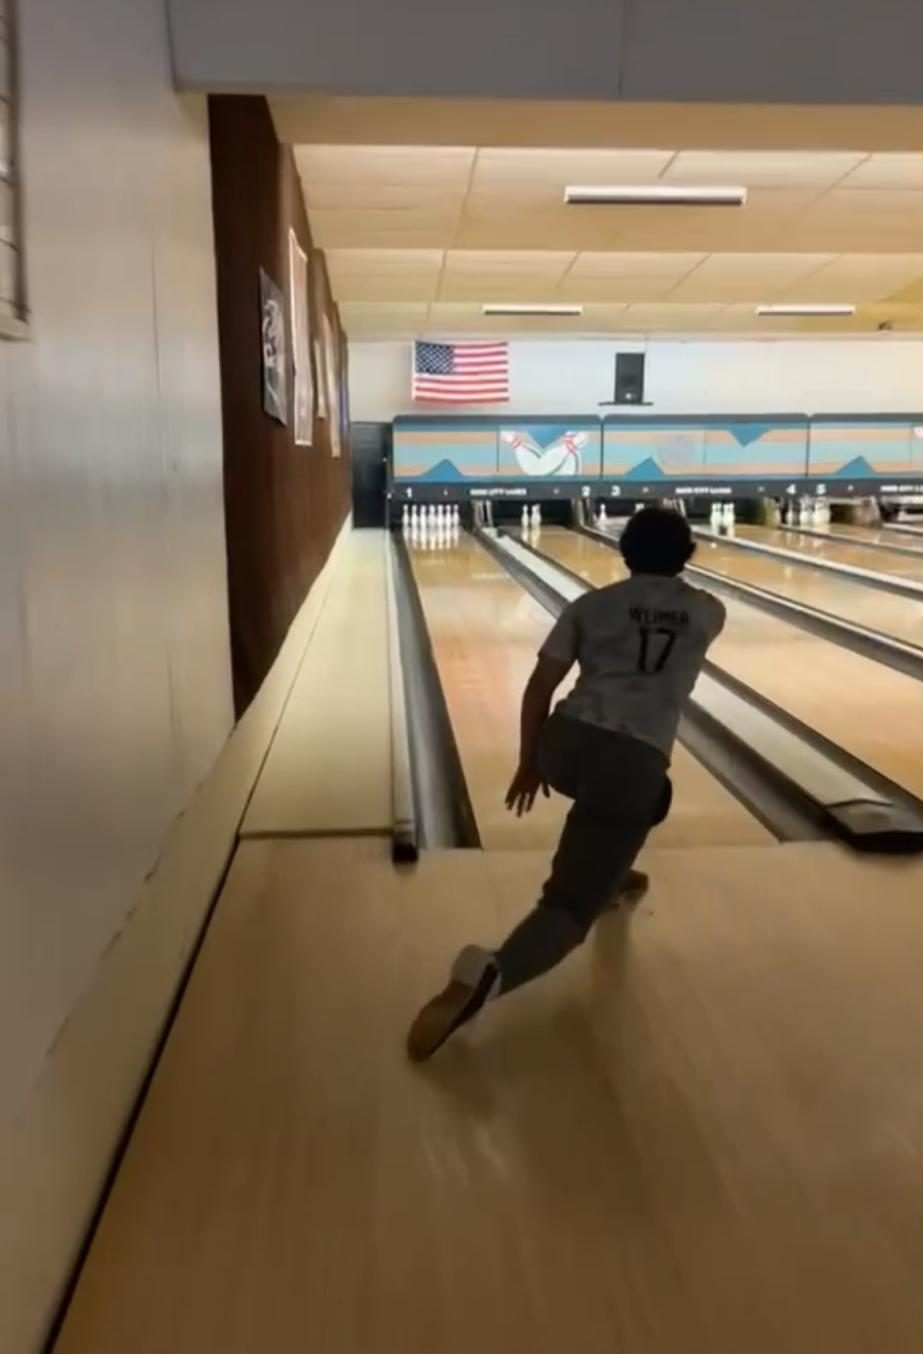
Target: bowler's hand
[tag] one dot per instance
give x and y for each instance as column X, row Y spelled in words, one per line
column 525, row 786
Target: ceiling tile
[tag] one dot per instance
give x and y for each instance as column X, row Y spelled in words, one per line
column 746, row 277
column 887, row 171
column 418, row 239
column 615, row 289
column 548, row 262
column 550, row 171
column 388, row 319
column 384, row 274
column 631, row 264
column 370, row 261
column 402, row 165
column 858, row 277
column 625, row 276
column 383, row 196
column 455, row 318
column 487, row 276
column 882, row 208
column 383, row 229
column 672, row 317
column 762, row 169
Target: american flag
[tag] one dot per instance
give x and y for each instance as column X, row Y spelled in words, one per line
column 461, row 373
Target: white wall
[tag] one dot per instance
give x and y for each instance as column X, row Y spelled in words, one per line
column 570, row 377
column 115, row 692
column 825, row 51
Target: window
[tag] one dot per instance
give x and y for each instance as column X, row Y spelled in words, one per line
column 12, row 295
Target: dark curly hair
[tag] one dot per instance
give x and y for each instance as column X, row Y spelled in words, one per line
column 657, row 541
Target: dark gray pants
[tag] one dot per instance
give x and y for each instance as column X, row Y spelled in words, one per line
column 620, row 789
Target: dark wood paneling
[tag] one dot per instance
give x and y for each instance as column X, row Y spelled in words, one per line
column 284, row 504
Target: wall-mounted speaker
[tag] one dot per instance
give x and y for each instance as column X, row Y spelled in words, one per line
column 629, row 378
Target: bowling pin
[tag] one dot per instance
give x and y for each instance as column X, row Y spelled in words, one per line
column 525, row 517
column 537, row 515
column 603, row 517
column 730, row 515
column 716, row 515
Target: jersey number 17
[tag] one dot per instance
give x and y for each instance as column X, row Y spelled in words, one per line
column 654, row 648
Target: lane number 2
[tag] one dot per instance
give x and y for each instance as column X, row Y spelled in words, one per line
column 652, row 654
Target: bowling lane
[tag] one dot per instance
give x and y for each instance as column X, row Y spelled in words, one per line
column 869, row 710
column 839, row 595
column 485, row 632
column 836, row 552
column 880, row 536
column 905, row 529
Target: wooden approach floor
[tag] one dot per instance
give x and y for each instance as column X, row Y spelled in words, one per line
column 702, row 1135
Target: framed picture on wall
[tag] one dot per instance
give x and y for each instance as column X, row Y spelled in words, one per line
column 320, row 378
column 272, row 336
column 332, row 382
column 303, row 403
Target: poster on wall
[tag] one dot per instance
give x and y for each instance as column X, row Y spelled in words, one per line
column 332, row 375
column 320, row 377
column 272, row 326
column 301, row 343
column 320, row 371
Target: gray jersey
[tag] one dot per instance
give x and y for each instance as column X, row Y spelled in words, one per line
column 640, row 645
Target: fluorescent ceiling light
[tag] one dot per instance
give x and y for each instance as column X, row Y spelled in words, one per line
column 514, row 308
column 655, row 194
column 786, row 308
